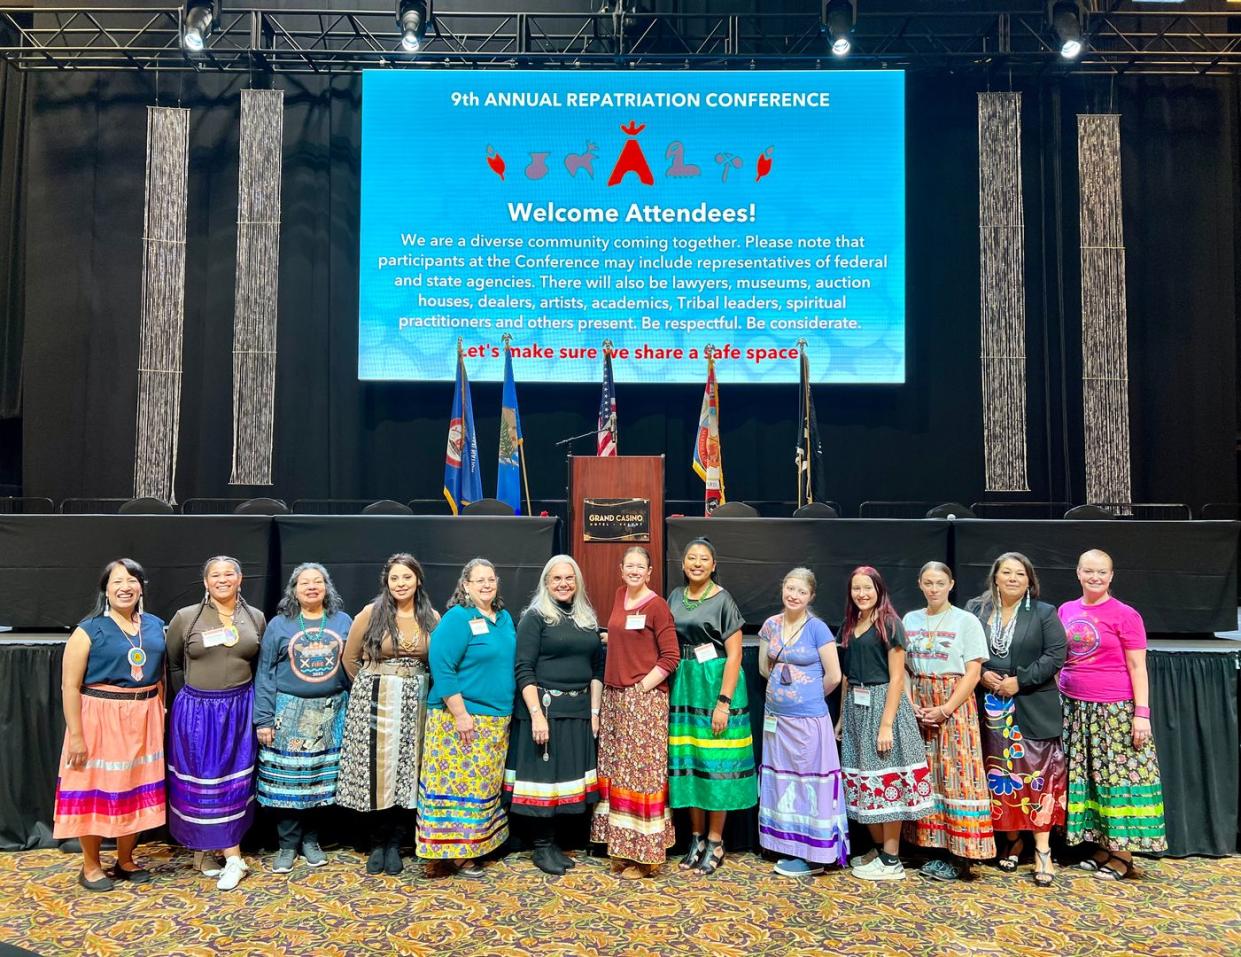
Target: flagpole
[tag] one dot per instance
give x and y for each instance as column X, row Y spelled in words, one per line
column 804, row 425
column 507, row 339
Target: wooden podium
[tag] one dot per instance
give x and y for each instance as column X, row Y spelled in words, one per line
column 596, row 543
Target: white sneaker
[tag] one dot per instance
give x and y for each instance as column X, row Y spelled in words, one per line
column 234, row 870
column 877, row 870
column 865, row 860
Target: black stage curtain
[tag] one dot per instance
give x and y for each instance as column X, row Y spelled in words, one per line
column 1193, row 701
column 32, row 729
column 354, row 549
column 13, row 116
column 1181, row 576
column 339, row 438
column 754, row 555
column 51, row 563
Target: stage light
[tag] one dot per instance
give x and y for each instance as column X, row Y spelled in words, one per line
column 838, row 19
column 1066, row 23
column 412, row 17
column 199, row 19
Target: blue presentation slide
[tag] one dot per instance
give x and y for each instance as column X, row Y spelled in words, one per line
column 665, row 214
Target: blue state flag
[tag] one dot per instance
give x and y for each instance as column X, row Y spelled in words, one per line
column 508, row 476
column 463, row 480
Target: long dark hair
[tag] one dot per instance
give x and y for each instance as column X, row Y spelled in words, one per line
column 985, row 604
column 709, row 546
column 101, row 596
column 253, row 615
column 885, row 614
column 383, row 608
column 289, row 605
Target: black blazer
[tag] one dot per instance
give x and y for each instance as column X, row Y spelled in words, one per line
column 1036, row 657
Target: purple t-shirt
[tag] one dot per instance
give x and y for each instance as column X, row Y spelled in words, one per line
column 1098, row 636
column 795, row 688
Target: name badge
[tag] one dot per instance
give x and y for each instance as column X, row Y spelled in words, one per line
column 706, row 652
column 861, row 697
column 220, row 636
column 769, row 724
column 635, row 622
column 478, row 626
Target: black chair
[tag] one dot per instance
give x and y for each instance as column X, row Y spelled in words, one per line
column 735, row 510
column 385, row 506
column 26, row 505
column 816, row 510
column 1088, row 513
column 951, row 510
column 488, row 506
column 893, row 509
column 145, row 506
column 262, row 506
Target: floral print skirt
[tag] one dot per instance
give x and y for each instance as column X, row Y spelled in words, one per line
column 1115, row 795
column 1026, row 776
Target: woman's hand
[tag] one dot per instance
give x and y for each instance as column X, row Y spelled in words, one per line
column 465, row 729
column 719, row 718
column 1141, row 731
column 989, row 680
column 538, row 728
column 1008, row 686
column 594, row 725
column 883, row 742
column 76, row 746
column 266, row 736
column 934, row 716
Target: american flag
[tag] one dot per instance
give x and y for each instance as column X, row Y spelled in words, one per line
column 607, row 410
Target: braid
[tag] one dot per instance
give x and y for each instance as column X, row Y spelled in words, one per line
column 251, row 614
column 201, row 606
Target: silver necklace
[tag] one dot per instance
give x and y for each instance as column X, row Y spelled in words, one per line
column 1001, row 635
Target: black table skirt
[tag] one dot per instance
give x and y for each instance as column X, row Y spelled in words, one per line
column 1193, row 704
column 50, row 564
column 1182, row 576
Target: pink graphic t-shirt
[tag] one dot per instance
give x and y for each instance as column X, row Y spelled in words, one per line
column 1098, row 636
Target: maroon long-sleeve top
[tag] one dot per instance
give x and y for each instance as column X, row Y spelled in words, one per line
column 632, row 653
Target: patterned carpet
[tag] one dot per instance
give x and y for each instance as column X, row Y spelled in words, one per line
column 1179, row 907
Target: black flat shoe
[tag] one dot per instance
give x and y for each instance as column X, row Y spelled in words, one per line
column 375, row 863
column 545, row 861
column 103, row 884
column 392, row 860
column 137, row 876
column 565, row 860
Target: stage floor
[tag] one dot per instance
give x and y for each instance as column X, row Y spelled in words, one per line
column 1175, row 906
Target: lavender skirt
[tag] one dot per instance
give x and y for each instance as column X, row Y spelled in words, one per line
column 801, row 805
column 212, row 753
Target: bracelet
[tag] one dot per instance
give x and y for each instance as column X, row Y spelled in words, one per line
column 594, row 712
column 1142, row 711
column 724, row 699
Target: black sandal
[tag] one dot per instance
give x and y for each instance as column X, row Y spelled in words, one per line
column 693, row 857
column 710, row 863
column 1108, row 872
column 1043, row 878
column 1009, row 860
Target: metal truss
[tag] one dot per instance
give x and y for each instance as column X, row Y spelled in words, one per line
column 1122, row 38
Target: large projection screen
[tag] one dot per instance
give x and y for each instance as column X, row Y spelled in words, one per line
column 665, row 212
